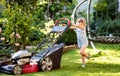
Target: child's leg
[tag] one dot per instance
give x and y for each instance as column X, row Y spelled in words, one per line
column 83, row 59
column 82, row 51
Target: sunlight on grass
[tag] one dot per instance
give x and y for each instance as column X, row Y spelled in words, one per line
column 105, row 63
column 100, row 64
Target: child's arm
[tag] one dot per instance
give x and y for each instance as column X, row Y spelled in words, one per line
column 72, row 27
column 80, row 25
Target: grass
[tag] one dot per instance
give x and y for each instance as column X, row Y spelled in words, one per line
column 105, row 63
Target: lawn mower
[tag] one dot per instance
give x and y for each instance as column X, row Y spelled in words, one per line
column 47, row 59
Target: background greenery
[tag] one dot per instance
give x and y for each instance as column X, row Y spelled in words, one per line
column 29, row 18
column 106, row 18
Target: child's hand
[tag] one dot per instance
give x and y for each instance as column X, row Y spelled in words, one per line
column 72, row 27
column 72, row 24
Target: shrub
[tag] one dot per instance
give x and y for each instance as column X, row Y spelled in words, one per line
column 69, row 37
column 35, row 36
column 104, row 28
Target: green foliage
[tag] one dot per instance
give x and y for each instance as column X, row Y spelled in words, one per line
column 36, row 36
column 57, row 9
column 17, row 20
column 39, row 16
column 104, row 9
column 22, row 16
column 104, row 28
column 5, row 51
column 69, row 38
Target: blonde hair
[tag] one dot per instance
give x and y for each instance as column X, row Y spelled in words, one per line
column 83, row 19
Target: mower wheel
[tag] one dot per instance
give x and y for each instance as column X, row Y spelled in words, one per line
column 46, row 64
column 17, row 70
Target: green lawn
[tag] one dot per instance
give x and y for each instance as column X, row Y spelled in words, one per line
column 106, row 63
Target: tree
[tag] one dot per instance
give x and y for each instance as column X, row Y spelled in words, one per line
column 18, row 21
column 26, row 16
column 106, row 9
column 56, row 6
column 106, row 18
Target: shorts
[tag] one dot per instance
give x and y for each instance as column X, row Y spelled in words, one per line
column 82, row 42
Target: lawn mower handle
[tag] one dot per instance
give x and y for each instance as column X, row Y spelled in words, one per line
column 68, row 21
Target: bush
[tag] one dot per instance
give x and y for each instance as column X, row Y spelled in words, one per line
column 5, row 51
column 69, row 38
column 1, row 15
column 104, row 28
column 114, row 27
column 35, row 36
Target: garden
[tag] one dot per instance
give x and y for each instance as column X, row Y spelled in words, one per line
column 27, row 24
